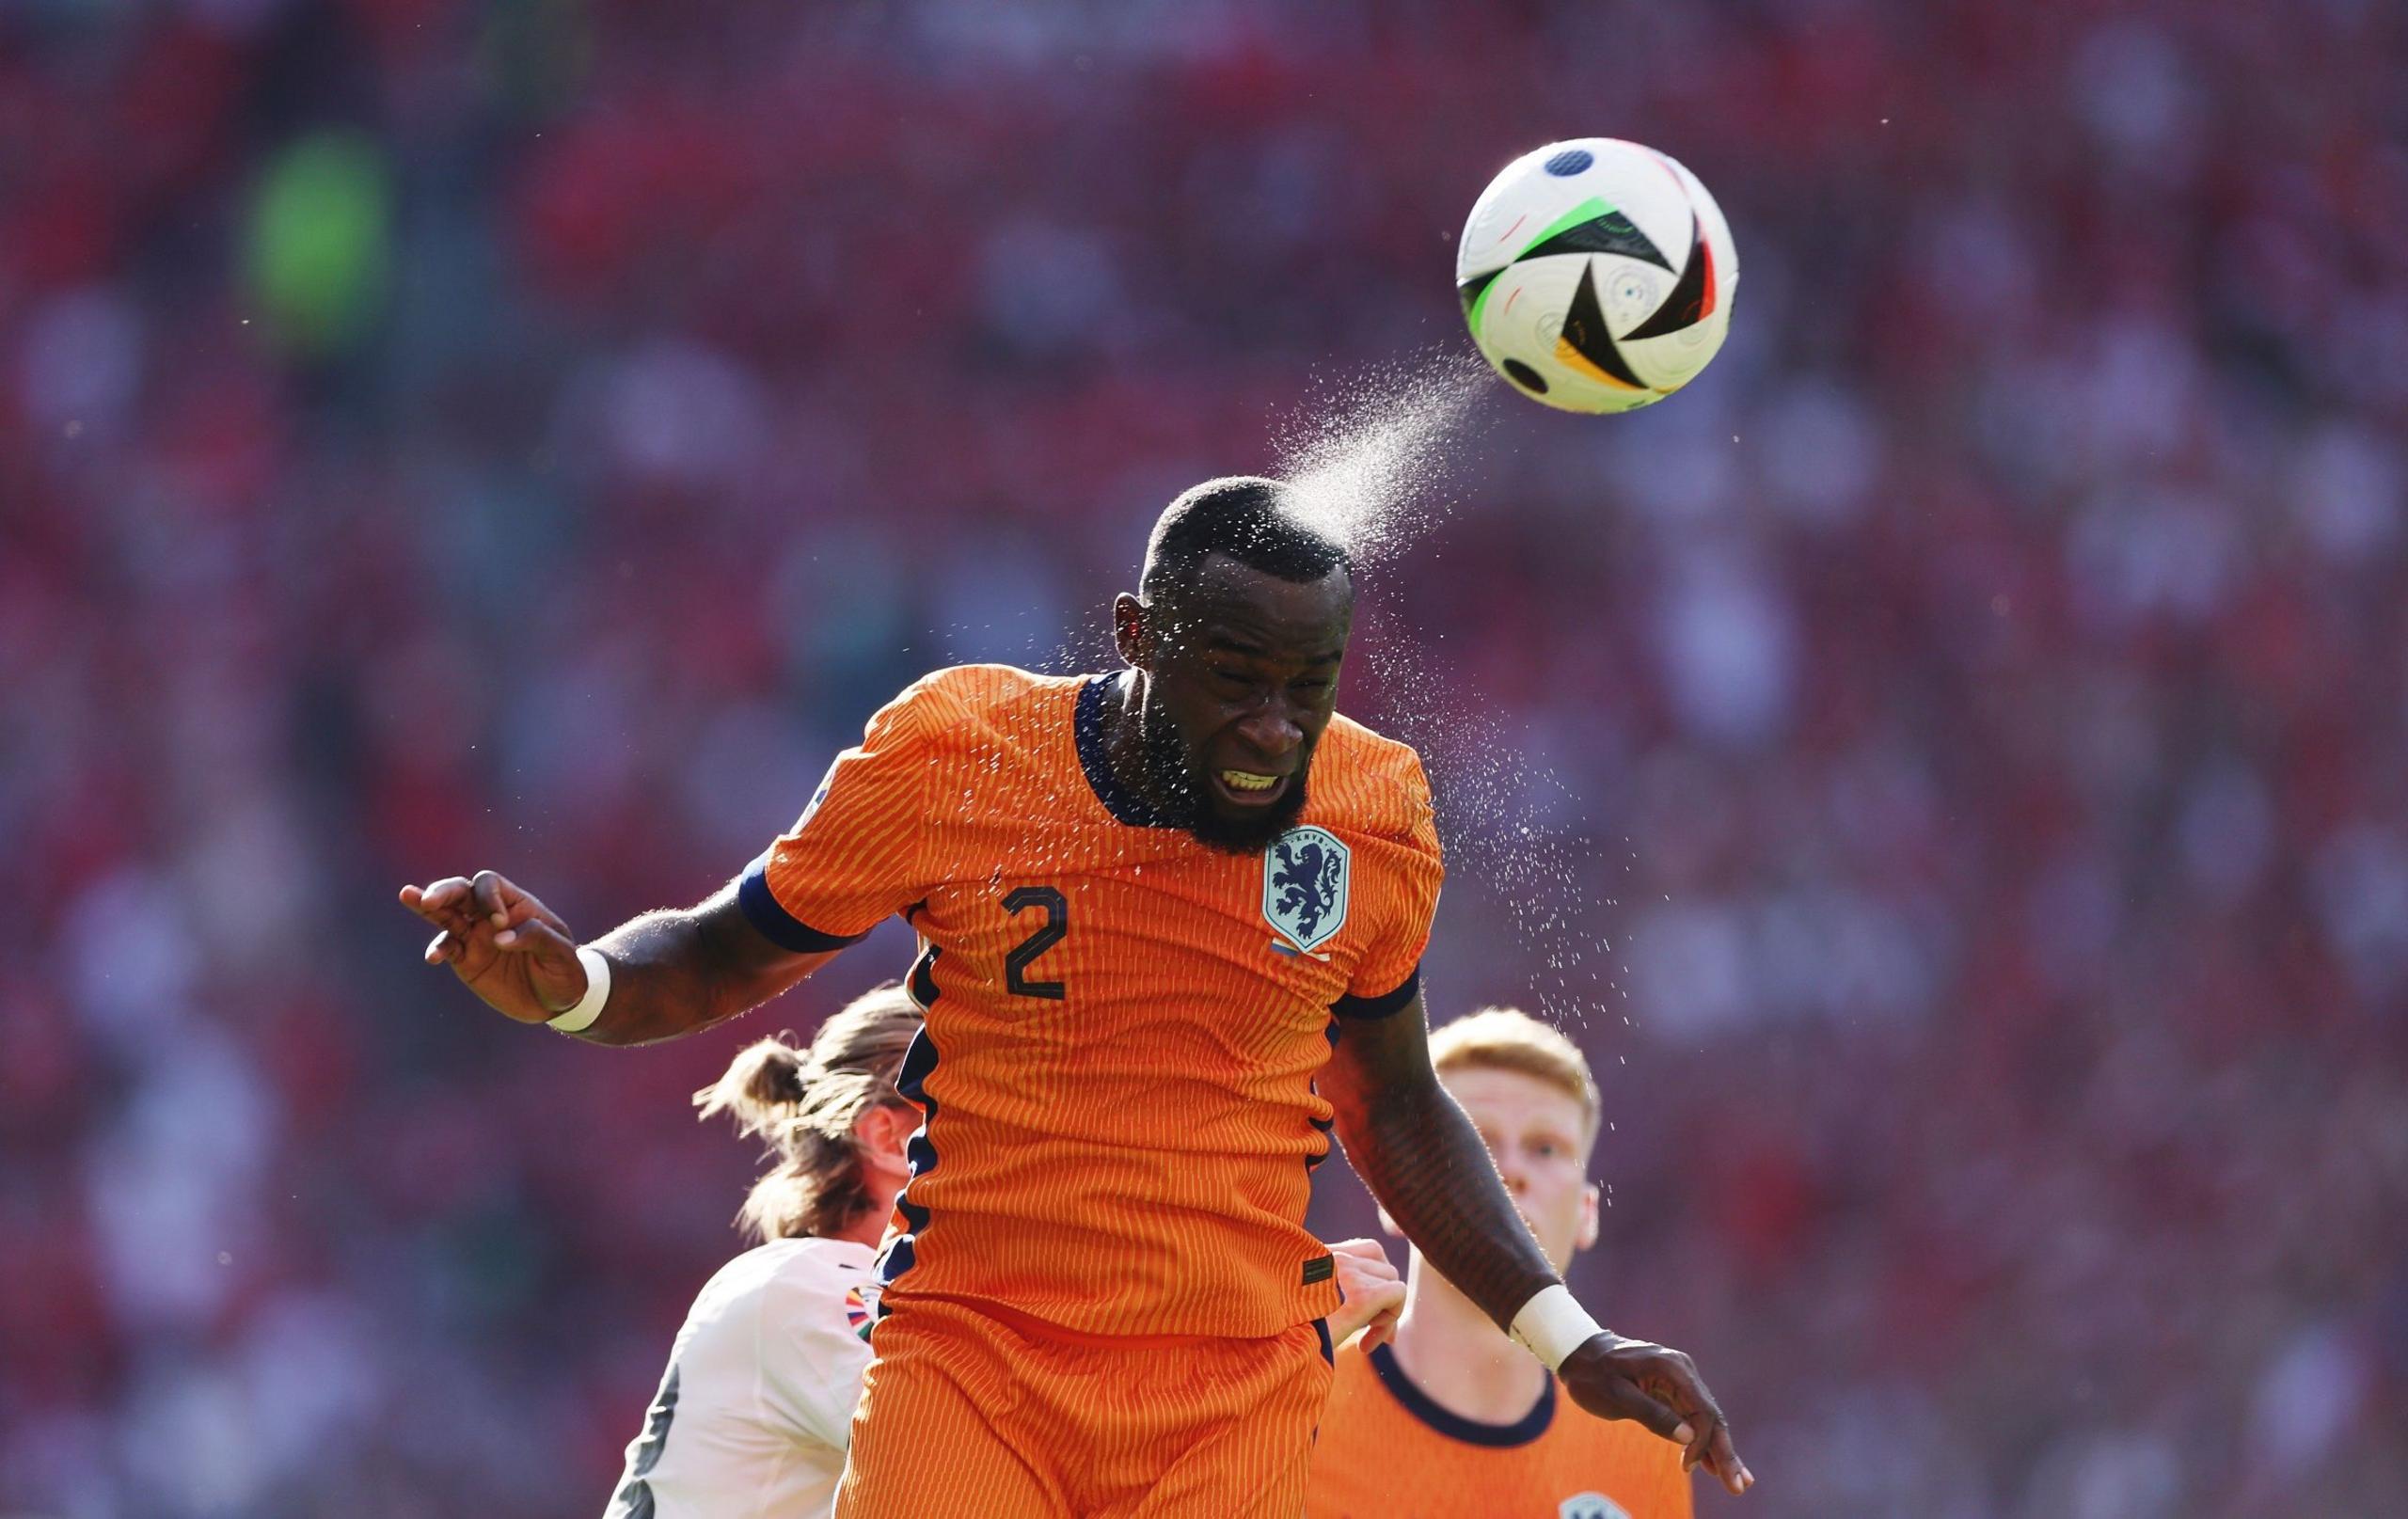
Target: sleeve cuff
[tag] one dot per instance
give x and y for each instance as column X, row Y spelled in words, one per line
column 765, row 912
column 1383, row 1005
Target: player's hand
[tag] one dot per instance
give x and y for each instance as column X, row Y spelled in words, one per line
column 506, row 946
column 1370, row 1295
column 1616, row 1378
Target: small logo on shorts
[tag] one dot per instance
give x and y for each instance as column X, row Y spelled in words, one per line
column 1591, row 1506
column 1320, row 1269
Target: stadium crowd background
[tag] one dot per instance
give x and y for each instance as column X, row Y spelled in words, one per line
column 536, row 434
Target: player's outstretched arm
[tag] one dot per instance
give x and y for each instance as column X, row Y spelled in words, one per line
column 670, row 972
column 1422, row 1157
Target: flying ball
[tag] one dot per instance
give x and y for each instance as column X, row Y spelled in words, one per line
column 1596, row 274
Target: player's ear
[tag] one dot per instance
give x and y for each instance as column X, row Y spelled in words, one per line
column 1132, row 632
column 885, row 1128
column 1588, row 1235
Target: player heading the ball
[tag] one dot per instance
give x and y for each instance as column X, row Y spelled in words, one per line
column 1156, row 907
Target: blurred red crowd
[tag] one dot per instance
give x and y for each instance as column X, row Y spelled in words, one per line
column 1946, row 764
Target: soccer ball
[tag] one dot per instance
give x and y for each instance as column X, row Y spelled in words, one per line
column 1597, row 274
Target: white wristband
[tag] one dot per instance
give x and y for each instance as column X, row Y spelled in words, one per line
column 597, row 992
column 1553, row 1325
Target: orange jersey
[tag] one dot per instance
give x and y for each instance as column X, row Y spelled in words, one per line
column 1124, row 1025
column 1387, row 1452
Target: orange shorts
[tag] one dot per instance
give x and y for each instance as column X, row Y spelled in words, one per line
column 976, row 1412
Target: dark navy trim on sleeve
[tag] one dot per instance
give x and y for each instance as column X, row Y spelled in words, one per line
column 764, row 911
column 1454, row 1426
column 1385, row 1005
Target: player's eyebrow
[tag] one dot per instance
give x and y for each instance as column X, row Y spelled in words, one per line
column 1232, row 643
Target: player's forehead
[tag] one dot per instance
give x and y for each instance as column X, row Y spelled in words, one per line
column 1515, row 1101
column 1231, row 607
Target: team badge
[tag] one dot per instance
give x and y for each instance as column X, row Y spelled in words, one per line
column 1591, row 1506
column 1304, row 885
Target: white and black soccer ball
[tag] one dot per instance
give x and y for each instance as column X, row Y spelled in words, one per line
column 1597, row 274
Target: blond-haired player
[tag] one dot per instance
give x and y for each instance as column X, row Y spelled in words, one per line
column 757, row 1406
column 1452, row 1420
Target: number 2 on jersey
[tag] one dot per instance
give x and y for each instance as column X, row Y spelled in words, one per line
column 1048, row 934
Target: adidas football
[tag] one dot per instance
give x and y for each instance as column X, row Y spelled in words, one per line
column 1596, row 274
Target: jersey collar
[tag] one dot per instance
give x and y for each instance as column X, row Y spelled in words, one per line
column 1119, row 801
column 1454, row 1426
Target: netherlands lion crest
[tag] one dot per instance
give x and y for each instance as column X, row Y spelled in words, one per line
column 1304, row 885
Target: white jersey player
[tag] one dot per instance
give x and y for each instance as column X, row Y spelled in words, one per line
column 754, row 1411
column 752, row 1415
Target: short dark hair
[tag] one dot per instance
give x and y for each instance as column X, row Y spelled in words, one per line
column 1251, row 519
